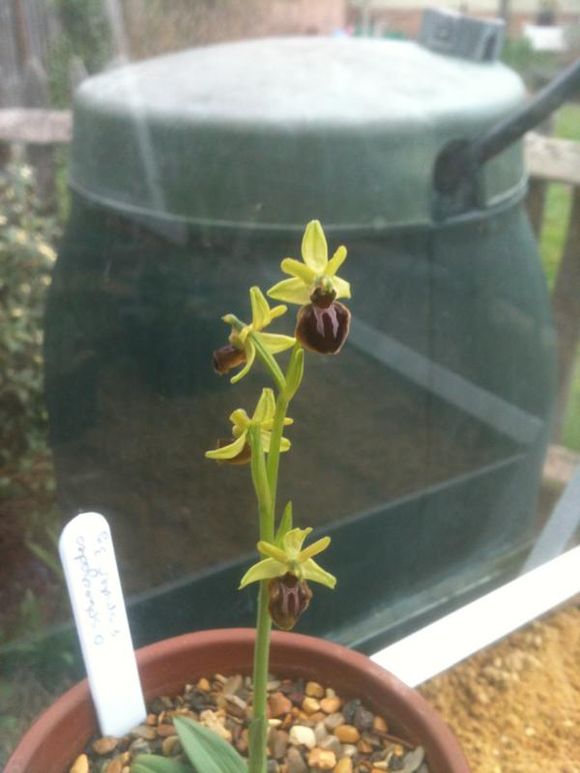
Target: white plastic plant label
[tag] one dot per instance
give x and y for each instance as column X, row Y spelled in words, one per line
column 90, row 569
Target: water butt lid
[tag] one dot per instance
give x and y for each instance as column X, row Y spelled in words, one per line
column 271, row 133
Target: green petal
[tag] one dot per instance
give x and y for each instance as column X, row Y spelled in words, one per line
column 275, row 343
column 336, row 261
column 294, row 539
column 297, row 269
column 269, row 423
column 277, row 311
column 240, row 419
column 314, row 247
column 230, row 451
column 266, row 438
column 285, row 445
column 341, row 287
column 310, row 570
column 290, row 290
column 263, row 570
column 260, row 309
column 266, row 407
column 273, row 552
column 314, row 549
column 250, row 350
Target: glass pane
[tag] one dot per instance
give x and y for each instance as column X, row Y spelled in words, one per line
column 161, row 179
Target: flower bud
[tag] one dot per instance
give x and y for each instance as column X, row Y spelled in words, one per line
column 323, row 328
column 288, row 598
column 227, row 357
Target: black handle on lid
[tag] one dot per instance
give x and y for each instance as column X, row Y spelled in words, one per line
column 457, row 165
column 540, row 107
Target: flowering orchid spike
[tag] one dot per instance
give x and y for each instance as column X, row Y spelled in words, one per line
column 316, row 275
column 237, row 451
column 243, row 339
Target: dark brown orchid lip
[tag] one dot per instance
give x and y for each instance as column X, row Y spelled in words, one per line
column 323, row 329
column 243, row 457
column 288, row 598
column 227, row 357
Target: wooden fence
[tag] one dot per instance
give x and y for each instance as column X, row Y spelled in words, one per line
column 27, row 29
column 552, row 160
column 549, row 160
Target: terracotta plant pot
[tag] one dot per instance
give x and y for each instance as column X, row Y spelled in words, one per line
column 61, row 732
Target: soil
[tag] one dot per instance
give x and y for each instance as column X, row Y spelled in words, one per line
column 515, row 707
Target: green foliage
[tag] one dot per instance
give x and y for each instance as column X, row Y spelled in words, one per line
column 26, row 259
column 86, row 34
column 86, row 26
column 207, row 752
column 151, row 763
column 554, row 229
column 531, row 65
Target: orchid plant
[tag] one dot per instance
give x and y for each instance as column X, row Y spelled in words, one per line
column 286, row 564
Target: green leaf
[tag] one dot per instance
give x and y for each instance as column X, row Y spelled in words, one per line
column 207, row 752
column 151, row 763
column 285, row 524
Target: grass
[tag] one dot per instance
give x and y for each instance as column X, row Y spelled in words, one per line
column 554, row 230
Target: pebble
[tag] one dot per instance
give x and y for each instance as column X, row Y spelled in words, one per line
column 322, row 759
column 210, row 719
column 314, row 690
column 310, row 705
column 331, row 743
column 301, row 735
column 233, row 685
column 347, row 733
column 80, row 765
column 344, row 765
column 280, row 744
column 320, row 732
column 106, row 744
column 334, row 720
column 330, row 705
column 141, row 731
column 295, row 761
column 279, row 704
column 165, row 730
column 114, row 766
column 413, row 760
column 170, row 746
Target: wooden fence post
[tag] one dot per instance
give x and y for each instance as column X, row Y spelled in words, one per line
column 41, row 157
column 535, row 203
column 566, row 305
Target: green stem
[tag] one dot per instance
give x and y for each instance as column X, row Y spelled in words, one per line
column 261, row 485
column 274, row 455
column 270, row 363
column 258, row 728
